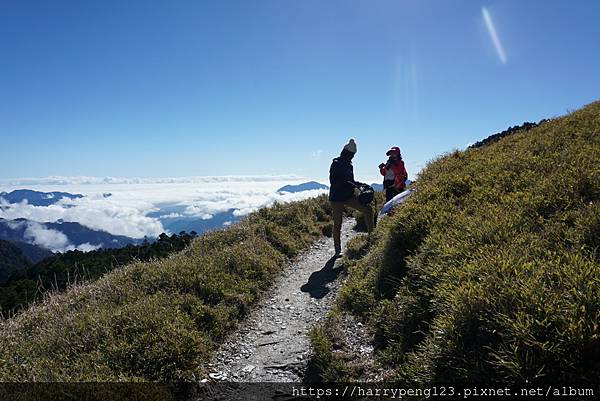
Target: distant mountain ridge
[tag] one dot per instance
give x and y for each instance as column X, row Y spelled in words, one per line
column 175, row 220
column 60, row 235
column 306, row 186
column 37, row 198
column 33, row 252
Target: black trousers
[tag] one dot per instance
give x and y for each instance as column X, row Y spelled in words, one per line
column 390, row 192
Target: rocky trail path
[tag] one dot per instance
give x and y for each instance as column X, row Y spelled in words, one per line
column 273, row 344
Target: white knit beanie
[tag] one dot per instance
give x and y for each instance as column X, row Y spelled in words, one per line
column 350, row 146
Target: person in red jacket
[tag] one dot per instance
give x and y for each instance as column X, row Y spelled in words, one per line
column 394, row 173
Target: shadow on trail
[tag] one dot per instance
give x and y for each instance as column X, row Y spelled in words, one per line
column 316, row 286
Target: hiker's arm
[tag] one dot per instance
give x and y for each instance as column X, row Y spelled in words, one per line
column 401, row 176
column 403, row 171
column 350, row 173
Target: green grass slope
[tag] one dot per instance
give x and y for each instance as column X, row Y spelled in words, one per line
column 490, row 273
column 55, row 273
column 158, row 320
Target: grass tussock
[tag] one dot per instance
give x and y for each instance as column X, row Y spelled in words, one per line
column 328, row 361
column 158, row 320
column 490, row 273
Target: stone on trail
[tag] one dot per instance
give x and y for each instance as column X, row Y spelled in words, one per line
column 248, row 368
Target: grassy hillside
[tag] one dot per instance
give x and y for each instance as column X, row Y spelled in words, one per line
column 30, row 282
column 490, row 273
column 158, row 320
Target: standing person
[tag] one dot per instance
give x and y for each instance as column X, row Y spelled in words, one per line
column 394, row 173
column 341, row 193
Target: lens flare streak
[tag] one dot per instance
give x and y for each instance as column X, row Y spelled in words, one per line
column 489, row 24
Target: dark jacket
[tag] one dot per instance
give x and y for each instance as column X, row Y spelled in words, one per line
column 341, row 178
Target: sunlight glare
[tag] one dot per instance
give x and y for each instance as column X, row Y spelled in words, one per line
column 493, row 34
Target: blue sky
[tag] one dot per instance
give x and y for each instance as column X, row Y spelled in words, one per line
column 186, row 88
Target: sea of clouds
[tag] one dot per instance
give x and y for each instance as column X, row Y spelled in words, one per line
column 121, row 206
column 54, row 240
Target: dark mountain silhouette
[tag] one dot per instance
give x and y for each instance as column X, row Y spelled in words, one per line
column 33, row 253
column 306, row 186
column 37, row 198
column 12, row 259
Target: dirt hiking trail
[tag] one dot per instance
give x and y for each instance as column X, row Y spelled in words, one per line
column 272, row 344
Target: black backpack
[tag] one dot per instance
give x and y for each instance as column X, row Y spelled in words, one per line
column 366, row 193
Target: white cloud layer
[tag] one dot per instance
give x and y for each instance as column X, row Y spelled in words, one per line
column 126, row 211
column 37, row 234
column 95, row 212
